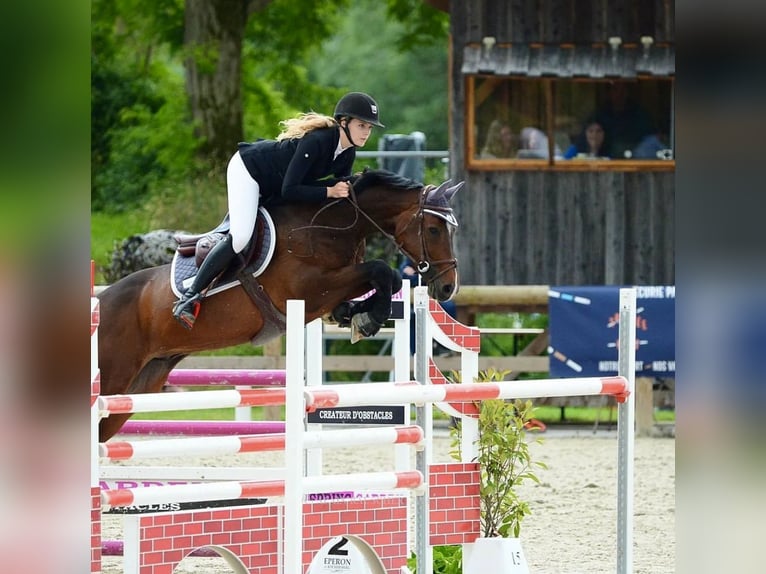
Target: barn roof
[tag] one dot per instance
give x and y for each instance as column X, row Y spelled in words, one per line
column 569, row 61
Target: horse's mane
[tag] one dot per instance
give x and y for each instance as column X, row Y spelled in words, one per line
column 373, row 177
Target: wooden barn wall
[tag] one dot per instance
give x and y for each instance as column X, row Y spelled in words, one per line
column 562, row 228
column 557, row 227
column 562, row 21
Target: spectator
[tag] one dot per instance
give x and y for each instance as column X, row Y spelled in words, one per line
column 590, row 143
column 626, row 122
column 500, row 141
column 533, row 144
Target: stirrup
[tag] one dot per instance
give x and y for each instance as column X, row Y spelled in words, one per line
column 185, row 311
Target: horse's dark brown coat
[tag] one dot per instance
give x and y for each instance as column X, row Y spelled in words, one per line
column 317, row 259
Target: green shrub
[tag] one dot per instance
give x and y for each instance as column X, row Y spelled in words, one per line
column 448, row 559
column 504, row 460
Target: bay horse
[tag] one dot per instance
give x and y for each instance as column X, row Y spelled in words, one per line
column 319, row 258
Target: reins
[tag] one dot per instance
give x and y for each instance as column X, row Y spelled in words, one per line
column 312, row 225
column 423, row 265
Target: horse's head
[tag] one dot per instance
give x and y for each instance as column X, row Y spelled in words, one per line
column 426, row 238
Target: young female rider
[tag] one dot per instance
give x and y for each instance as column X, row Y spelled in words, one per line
column 294, row 167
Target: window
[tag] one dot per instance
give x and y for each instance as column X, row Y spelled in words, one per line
column 573, row 123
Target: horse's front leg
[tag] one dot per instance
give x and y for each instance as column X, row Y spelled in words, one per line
column 366, row 317
column 372, row 314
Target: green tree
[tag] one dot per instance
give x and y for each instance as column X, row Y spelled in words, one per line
column 410, row 44
column 177, row 83
column 140, row 128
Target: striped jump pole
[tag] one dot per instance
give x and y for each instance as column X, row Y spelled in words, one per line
column 397, row 393
column 163, row 402
column 202, row 428
column 232, row 490
column 208, row 446
column 365, row 394
column 230, row 377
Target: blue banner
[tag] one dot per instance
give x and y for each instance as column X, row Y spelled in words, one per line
column 584, row 329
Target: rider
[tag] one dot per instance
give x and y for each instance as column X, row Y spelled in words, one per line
column 295, row 167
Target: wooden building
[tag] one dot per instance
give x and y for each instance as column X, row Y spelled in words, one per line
column 546, row 211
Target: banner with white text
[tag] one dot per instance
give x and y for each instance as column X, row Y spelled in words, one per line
column 584, row 327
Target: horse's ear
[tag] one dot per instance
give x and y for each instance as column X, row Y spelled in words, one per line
column 450, row 192
column 433, row 194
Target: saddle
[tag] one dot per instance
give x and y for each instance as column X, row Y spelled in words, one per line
column 192, row 250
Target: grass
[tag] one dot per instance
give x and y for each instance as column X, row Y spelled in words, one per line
column 195, row 415
column 588, row 415
column 106, row 230
column 194, row 206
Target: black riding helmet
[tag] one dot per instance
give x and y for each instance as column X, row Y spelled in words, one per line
column 356, row 105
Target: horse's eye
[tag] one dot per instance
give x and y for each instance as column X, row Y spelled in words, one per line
column 434, row 231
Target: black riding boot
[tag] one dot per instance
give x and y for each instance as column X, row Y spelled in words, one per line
column 187, row 307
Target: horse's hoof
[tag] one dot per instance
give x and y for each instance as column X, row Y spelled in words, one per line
column 356, row 336
column 362, row 325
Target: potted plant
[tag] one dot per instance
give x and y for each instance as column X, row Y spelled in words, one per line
column 505, row 463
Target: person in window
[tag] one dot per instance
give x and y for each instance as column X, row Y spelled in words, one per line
column 533, row 144
column 500, row 141
column 626, row 122
column 310, row 161
column 591, row 143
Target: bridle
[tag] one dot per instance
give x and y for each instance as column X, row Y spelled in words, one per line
column 424, row 263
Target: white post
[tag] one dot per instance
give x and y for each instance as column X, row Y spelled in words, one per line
column 294, row 425
column 424, row 419
column 401, row 351
column 314, row 352
column 243, row 413
column 469, row 426
column 94, row 414
column 131, row 544
column 626, row 432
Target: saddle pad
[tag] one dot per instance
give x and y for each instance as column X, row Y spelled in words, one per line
column 183, row 270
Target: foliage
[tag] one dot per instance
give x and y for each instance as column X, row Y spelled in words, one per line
column 140, row 128
column 504, row 459
column 142, row 140
column 421, row 23
column 447, row 559
column 503, row 346
column 410, row 41
column 194, row 205
column 279, row 41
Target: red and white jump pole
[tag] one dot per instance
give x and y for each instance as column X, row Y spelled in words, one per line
column 396, row 393
column 230, row 490
column 214, row 446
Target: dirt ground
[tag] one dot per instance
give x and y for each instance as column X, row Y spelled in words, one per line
column 573, row 525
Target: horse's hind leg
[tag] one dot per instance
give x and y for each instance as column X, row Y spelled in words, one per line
column 149, row 380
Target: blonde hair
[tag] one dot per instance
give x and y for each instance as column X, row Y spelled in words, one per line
column 299, row 126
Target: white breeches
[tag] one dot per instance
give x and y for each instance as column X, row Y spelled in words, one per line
column 243, row 193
